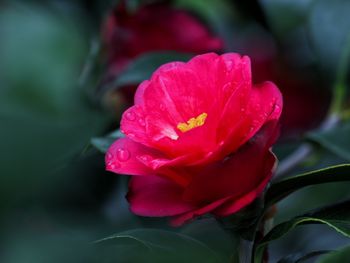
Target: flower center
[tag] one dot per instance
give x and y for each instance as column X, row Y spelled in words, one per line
column 192, row 123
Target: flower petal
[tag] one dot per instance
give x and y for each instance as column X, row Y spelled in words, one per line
column 238, row 174
column 128, row 157
column 264, row 105
column 131, row 158
column 178, row 92
column 188, row 216
column 156, row 196
column 233, row 204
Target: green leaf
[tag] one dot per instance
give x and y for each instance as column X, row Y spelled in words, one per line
column 152, row 245
column 297, row 258
column 45, row 118
column 142, row 67
column 285, row 16
column 103, row 143
column 336, row 140
column 336, row 216
column 245, row 222
column 339, row 256
column 212, row 233
column 329, row 30
column 283, row 188
column 223, row 24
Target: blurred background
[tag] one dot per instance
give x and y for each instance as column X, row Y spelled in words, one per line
column 68, row 69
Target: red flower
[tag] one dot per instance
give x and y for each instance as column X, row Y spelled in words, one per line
column 306, row 100
column 155, row 27
column 198, row 139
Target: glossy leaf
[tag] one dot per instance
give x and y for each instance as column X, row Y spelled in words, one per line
column 45, row 119
column 285, row 187
column 329, row 30
column 212, row 233
column 284, row 16
column 340, row 256
column 142, row 67
column 297, row 258
column 336, row 140
column 152, row 245
column 336, row 216
column 102, row 143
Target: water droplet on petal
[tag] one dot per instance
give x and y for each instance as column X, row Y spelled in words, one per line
column 131, row 135
column 277, row 108
column 162, row 107
column 144, row 158
column 109, row 157
column 273, row 102
column 113, row 165
column 209, row 154
column 123, row 155
column 130, row 116
column 142, row 122
column 242, row 109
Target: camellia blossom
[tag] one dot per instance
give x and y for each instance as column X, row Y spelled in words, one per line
column 198, row 139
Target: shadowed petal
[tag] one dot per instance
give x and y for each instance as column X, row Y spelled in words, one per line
column 156, row 196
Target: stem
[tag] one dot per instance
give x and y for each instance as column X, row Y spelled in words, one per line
column 89, row 62
column 245, row 249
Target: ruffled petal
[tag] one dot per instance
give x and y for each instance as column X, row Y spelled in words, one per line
column 128, row 157
column 264, row 105
column 188, row 216
column 178, row 92
column 236, row 175
column 156, row 196
column 131, row 158
column 233, row 205
column 227, row 195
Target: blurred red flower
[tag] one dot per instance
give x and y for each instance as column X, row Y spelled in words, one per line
column 306, row 100
column 153, row 27
column 198, row 139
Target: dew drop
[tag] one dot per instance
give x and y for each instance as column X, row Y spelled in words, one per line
column 273, row 102
column 277, row 108
column 109, row 157
column 123, row 155
column 131, row 135
column 144, row 158
column 162, row 107
column 142, row 122
column 113, row 165
column 130, row 116
column 209, row 154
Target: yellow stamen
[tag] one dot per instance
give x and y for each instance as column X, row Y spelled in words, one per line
column 192, row 123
